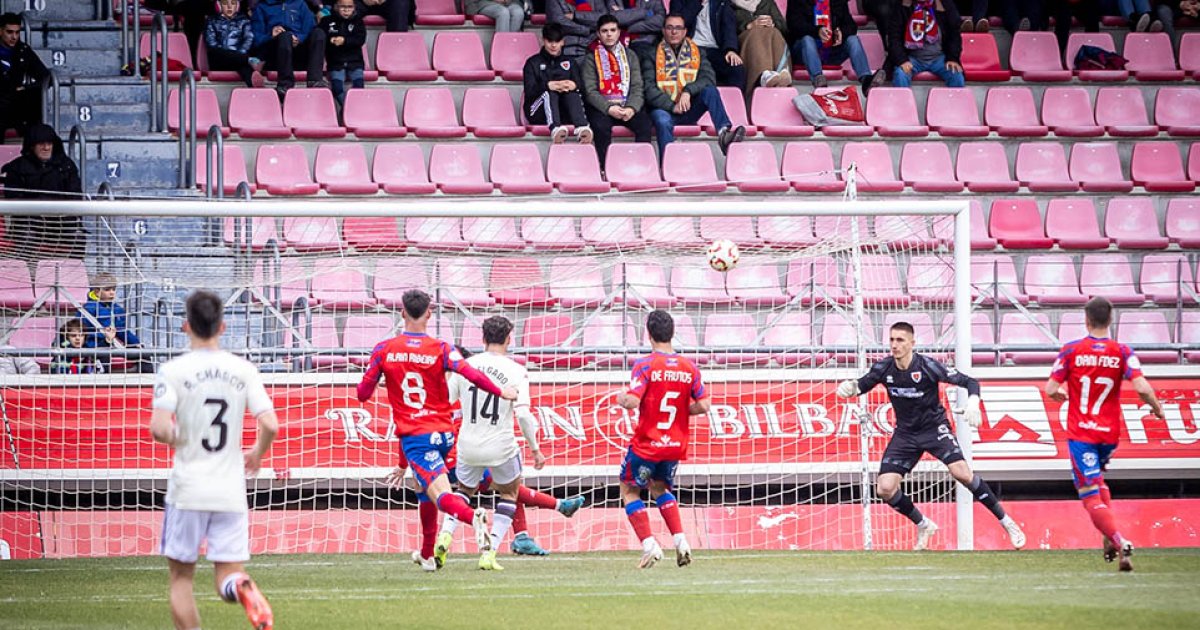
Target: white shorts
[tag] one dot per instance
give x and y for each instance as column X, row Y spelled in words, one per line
column 227, row 533
column 471, row 476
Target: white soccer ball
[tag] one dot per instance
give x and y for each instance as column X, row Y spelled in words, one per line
column 723, row 255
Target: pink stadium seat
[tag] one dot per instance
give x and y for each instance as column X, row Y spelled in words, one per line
column 642, row 284
column 981, row 58
column 1189, row 53
column 311, row 113
column 983, row 335
column 1175, row 110
column 178, row 51
column 16, row 285
column 394, row 276
column 520, row 282
column 516, row 168
column 1138, row 328
column 1042, row 167
column 736, row 332
column 363, row 332
column 863, row 130
column 1097, row 167
column 881, row 282
column 373, row 234
column 339, row 284
column 815, row 280
column 735, row 109
column 740, row 230
column 1151, row 57
column 458, row 56
column 1072, row 224
column 438, row 13
column 808, row 166
column 282, row 169
column 1133, row 223
column 983, row 167
column 753, row 167
column 1017, row 330
column 574, row 168
column 840, row 227
column 931, row 280
column 400, row 169
column 774, row 114
column 611, row 331
column 372, row 114
column 210, row 74
column 1100, row 40
column 906, row 232
column 462, row 279
column 1190, row 329
column 1183, row 222
column 431, row 113
column 488, row 113
column 689, row 167
column 926, row 167
column 875, row 170
column 1068, row 112
column 509, row 52
column 35, row 332
column 980, row 239
column 1035, row 57
column 69, row 277
column 994, row 276
column 1111, row 276
column 840, row 335
column 1163, row 277
column 436, row 233
column 633, row 166
column 699, row 285
column 952, row 112
column 1017, row 224
column 1051, row 280
column 457, row 170
column 404, row 57
column 873, row 46
column 551, row 331
column 1010, row 112
column 685, row 334
column 255, row 113
column 577, row 282
column 792, row 330
column 311, row 234
column 607, row 233
column 551, row 233
column 893, row 112
column 674, row 231
column 1157, row 167
column 341, row 169
column 1122, row 112
column 1194, row 162
column 208, row 113
column 262, row 231
column 755, row 285
column 492, row 234
column 786, row 231
column 235, row 168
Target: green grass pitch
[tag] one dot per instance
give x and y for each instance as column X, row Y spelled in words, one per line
column 1032, row 589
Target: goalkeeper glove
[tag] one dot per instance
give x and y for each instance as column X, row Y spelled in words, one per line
column 972, row 414
column 847, row 389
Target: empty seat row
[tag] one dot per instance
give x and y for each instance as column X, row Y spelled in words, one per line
column 1035, row 57
column 1129, row 223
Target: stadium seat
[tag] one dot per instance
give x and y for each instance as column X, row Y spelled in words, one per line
column 577, row 282
column 519, row 282
column 436, row 233
column 872, row 45
column 1140, row 328
column 685, row 334
column 839, row 336
column 457, row 170
column 733, row 336
column 509, row 52
column 931, row 280
column 735, row 109
column 551, row 233
column 1017, row 224
column 1051, row 280
column 312, row 234
column 1111, row 276
column 1151, row 57
column 404, row 57
column 339, row 284
column 983, row 335
column 373, row 234
column 608, row 233
column 1016, row 330
column 461, row 280
column 311, row 113
column 262, row 231
column 808, row 167
column 516, row 168
column 1099, row 40
column 492, row 234
column 779, row 231
column 754, row 168
column 953, row 113
column 642, row 284
column 551, row 332
column 282, row 169
column 35, row 332
column 1042, row 167
column 372, row 114
column 611, row 331
column 875, row 170
column 438, row 13
column 907, row 232
column 400, row 169
column 1189, row 53
column 255, row 113
column 1067, row 111
column 893, row 113
column 1157, row 167
column 574, row 169
column 16, row 285
column 1122, row 112
column 394, row 276
column 816, row 280
column 1183, row 222
column 689, row 167
column 633, row 166
column 699, row 285
column 235, row 169
column 208, row 113
column 431, row 113
column 740, row 230
column 881, row 282
column 792, row 330
column 488, row 113
column 178, row 51
column 458, row 56
column 1133, row 223
column 1162, row 277
column 840, row 227
column 1190, row 329
column 1175, row 110
column 983, row 167
column 926, row 167
column 981, row 58
column 980, row 239
column 670, row 231
column 285, row 285
column 1035, row 57
column 1010, row 112
column 363, row 332
column 755, row 285
column 1194, row 162
column 773, row 113
column 1072, row 224
column 1096, row 166
column 341, row 169
column 994, row 276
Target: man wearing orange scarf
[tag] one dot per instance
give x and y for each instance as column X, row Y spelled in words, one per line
column 613, row 89
column 681, row 86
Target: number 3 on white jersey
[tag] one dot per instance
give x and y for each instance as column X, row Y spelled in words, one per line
column 1085, row 389
column 413, row 387
column 666, row 407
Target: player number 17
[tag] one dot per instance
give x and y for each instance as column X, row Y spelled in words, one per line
column 1085, row 389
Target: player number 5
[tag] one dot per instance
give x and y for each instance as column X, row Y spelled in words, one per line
column 1085, row 389
column 414, row 390
column 666, row 407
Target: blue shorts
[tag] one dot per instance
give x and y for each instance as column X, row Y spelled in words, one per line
column 484, row 485
column 636, row 471
column 426, row 454
column 1088, row 462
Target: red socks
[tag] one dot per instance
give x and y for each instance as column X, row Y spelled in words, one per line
column 669, row 508
column 1105, row 495
column 529, row 496
column 1102, row 517
column 636, row 511
column 455, row 506
column 519, row 525
column 429, row 527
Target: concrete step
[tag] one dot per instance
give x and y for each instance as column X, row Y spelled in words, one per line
column 157, row 145
column 86, row 62
column 123, row 173
column 105, row 118
column 54, row 9
column 72, row 36
column 97, row 90
column 172, row 234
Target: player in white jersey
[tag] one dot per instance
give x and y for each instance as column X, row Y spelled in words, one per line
column 486, row 440
column 200, row 399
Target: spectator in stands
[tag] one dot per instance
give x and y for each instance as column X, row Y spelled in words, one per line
column 681, row 86
column 112, row 330
column 10, row 365
column 285, row 32
column 1168, row 12
column 713, row 27
column 762, row 35
column 191, row 14
column 1137, row 13
column 44, row 171
column 1086, row 11
column 228, row 38
column 613, row 88
column 553, row 89
column 345, row 36
column 21, row 75
column 824, row 32
column 925, row 38
column 72, row 335
column 577, row 19
column 398, row 14
column 880, row 11
column 508, row 14
column 641, row 22
column 1017, row 15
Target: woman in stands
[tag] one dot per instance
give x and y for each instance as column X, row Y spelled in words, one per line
column 761, row 30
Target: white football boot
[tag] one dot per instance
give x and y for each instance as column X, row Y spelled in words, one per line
column 925, row 533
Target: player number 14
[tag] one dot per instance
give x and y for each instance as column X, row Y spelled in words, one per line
column 1085, row 389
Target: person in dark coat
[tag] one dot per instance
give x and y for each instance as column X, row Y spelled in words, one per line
column 44, row 171
column 345, row 36
column 713, row 26
column 21, row 75
column 229, row 37
column 553, row 86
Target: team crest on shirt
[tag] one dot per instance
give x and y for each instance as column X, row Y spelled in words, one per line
column 916, row 376
column 889, row 378
column 565, row 65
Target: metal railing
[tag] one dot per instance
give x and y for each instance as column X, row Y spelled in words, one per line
column 50, row 105
column 158, row 84
column 187, row 130
column 78, row 135
column 214, row 177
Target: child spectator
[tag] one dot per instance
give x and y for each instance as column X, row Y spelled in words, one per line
column 113, row 331
column 72, row 335
column 346, row 34
column 925, row 36
column 553, row 86
column 228, row 37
